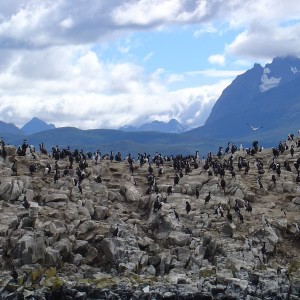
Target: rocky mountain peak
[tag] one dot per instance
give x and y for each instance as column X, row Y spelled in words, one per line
column 36, row 125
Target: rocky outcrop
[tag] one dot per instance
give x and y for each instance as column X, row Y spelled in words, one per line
column 112, row 239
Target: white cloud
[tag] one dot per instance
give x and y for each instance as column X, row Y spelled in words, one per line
column 49, row 67
column 266, row 41
column 210, row 29
column 217, row 59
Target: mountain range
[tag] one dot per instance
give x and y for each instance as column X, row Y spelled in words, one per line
column 266, row 97
column 173, row 126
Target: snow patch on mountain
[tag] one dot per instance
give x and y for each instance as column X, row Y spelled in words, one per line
column 268, row 83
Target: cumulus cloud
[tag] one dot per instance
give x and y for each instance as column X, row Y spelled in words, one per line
column 52, row 65
column 267, row 41
column 89, row 93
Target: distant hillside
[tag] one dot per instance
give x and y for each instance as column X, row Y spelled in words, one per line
column 36, row 125
column 9, row 129
column 267, row 97
column 173, row 126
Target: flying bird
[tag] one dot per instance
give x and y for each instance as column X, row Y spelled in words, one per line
column 254, row 128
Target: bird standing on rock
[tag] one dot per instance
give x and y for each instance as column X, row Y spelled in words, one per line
column 116, row 231
column 176, row 215
column 187, row 207
column 14, row 274
column 207, row 198
column 229, row 216
column 25, row 203
column 223, row 184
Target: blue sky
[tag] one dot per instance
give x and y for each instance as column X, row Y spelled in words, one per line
column 106, row 64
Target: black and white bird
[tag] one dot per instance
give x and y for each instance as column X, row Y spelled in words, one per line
column 176, row 215
column 25, row 203
column 197, row 192
column 116, row 231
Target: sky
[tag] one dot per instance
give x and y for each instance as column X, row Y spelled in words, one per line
column 105, row 64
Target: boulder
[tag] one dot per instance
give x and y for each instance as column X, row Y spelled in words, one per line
column 179, row 238
column 288, row 186
column 113, row 249
column 56, row 197
column 85, row 227
column 100, row 213
column 130, row 193
column 228, row 229
column 64, row 247
column 30, row 248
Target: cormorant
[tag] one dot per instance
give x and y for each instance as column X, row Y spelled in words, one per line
column 187, row 207
column 207, row 198
column 176, row 215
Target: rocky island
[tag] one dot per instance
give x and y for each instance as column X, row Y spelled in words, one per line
column 78, row 225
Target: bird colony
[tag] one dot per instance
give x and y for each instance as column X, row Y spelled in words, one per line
column 221, row 225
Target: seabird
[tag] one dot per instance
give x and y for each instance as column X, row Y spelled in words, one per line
column 254, row 128
column 79, row 187
column 265, row 221
column 169, row 190
column 229, row 216
column 157, row 205
column 25, row 203
column 248, row 207
column 14, row 168
column 176, row 215
column 176, row 179
column 197, row 192
column 259, row 183
column 187, row 207
column 14, row 274
column 207, row 198
column 236, row 207
column 223, row 184
column 219, row 210
column 116, row 231
column 241, row 217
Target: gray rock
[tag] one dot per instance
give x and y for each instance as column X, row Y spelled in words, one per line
column 113, row 248
column 239, row 194
column 130, row 193
column 31, row 249
column 100, row 213
column 288, row 186
column 228, row 229
column 56, row 198
column 64, row 247
column 85, row 227
column 296, row 200
column 52, row 257
column 179, row 239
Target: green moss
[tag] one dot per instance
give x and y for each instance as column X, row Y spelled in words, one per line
column 54, row 283
column 36, row 275
column 205, row 273
column 51, row 272
column 135, row 278
column 103, row 282
column 294, row 266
